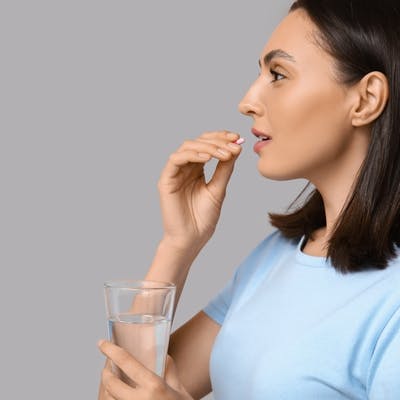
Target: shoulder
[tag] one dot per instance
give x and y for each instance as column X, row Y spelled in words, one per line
column 266, row 254
column 275, row 243
column 392, row 275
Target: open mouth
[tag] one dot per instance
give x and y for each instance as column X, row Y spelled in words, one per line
column 260, row 135
column 262, row 138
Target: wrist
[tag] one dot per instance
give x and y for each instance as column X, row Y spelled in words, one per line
column 181, row 247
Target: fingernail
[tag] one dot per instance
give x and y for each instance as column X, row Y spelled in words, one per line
column 100, row 342
column 234, row 146
column 240, row 141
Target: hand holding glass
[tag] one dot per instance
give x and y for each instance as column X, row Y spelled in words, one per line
column 139, row 315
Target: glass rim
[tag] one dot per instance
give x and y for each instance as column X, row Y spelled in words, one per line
column 137, row 284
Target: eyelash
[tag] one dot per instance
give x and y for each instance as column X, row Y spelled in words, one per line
column 275, row 74
column 272, row 72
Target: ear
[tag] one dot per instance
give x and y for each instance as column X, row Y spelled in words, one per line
column 372, row 95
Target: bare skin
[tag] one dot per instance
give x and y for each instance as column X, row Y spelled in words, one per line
column 320, row 131
column 191, row 208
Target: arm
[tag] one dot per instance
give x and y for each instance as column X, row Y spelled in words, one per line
column 191, row 206
column 190, row 347
column 186, row 377
column 171, row 264
column 384, row 370
column 190, row 210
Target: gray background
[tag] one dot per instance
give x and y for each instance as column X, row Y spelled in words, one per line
column 94, row 97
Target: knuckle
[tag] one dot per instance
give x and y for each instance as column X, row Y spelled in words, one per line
column 124, row 359
column 156, row 388
column 162, row 184
column 105, row 375
column 172, row 158
column 109, row 385
column 107, row 396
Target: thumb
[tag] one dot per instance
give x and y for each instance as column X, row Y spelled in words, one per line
column 220, row 178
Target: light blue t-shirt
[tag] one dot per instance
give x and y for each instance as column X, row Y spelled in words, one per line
column 295, row 329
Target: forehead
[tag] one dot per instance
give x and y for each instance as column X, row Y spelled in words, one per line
column 294, row 35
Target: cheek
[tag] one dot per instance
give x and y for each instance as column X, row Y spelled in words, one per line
column 303, row 110
column 307, row 124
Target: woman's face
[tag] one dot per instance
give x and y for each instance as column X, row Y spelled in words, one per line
column 300, row 106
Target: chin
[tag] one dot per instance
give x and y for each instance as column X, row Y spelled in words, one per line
column 277, row 174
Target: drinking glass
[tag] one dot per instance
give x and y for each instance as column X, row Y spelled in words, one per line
column 139, row 315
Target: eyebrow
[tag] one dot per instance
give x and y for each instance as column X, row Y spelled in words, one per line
column 275, row 54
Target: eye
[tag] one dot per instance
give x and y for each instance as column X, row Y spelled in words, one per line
column 276, row 75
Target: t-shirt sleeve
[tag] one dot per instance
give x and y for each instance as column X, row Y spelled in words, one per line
column 384, row 382
column 219, row 305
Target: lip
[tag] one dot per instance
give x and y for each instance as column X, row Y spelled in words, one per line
column 260, row 143
column 259, row 134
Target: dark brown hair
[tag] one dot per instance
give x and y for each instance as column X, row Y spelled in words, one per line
column 362, row 36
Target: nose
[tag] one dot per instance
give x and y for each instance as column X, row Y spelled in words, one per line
column 250, row 104
column 249, row 109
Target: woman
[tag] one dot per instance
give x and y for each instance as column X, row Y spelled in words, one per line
column 314, row 311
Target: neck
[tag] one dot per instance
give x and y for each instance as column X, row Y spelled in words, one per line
column 335, row 182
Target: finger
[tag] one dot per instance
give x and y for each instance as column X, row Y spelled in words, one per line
column 197, row 145
column 178, row 160
column 220, row 138
column 219, row 181
column 231, row 147
column 171, row 374
column 105, row 395
column 108, row 396
column 216, row 148
column 108, row 364
column 218, row 141
column 227, row 135
column 102, row 392
column 128, row 364
column 115, row 388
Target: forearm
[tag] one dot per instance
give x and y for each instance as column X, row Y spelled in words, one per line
column 172, row 264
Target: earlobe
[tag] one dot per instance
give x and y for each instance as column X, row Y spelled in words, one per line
column 373, row 93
